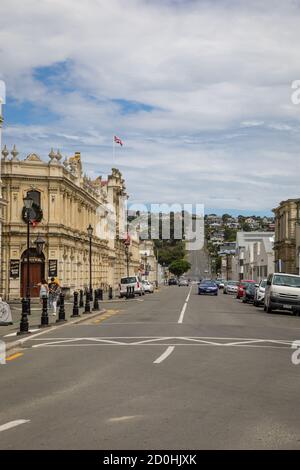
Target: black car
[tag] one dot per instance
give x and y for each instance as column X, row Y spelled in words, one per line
column 249, row 293
column 172, row 281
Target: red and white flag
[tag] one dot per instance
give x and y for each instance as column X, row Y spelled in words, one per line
column 118, row 140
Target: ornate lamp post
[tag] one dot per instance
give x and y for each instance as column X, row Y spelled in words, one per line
column 145, row 255
column 90, row 234
column 28, row 205
column 39, row 243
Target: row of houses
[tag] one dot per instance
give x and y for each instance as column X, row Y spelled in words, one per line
column 256, row 254
column 251, row 256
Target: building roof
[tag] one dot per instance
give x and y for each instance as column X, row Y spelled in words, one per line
column 243, row 239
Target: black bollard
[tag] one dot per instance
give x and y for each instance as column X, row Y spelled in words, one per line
column 24, row 325
column 100, row 294
column 91, row 295
column 44, row 317
column 61, row 312
column 81, row 303
column 127, row 292
column 87, row 307
column 96, row 303
column 132, row 292
column 110, row 293
column 29, row 306
column 75, row 306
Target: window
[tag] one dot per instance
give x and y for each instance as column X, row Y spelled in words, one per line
column 35, row 196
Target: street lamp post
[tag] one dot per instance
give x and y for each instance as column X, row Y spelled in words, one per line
column 90, row 234
column 28, row 205
column 127, row 259
column 145, row 254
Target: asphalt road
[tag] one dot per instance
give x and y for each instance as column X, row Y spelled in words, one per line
column 174, row 371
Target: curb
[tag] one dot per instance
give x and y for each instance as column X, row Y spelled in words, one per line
column 18, row 343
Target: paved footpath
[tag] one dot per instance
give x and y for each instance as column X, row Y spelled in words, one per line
column 173, row 370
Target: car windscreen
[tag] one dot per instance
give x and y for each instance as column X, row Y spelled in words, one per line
column 232, row 283
column 128, row 280
column 208, row 284
column 288, row 281
column 263, row 284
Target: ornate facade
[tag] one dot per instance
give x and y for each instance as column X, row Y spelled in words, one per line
column 286, row 247
column 69, row 202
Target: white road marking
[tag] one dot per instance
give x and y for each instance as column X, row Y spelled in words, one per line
column 169, row 341
column 164, row 356
column 13, row 424
column 184, row 307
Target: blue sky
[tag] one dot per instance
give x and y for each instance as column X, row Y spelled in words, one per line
column 202, row 101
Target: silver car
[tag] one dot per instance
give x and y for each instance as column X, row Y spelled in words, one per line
column 230, row 287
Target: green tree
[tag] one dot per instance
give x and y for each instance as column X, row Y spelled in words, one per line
column 179, row 267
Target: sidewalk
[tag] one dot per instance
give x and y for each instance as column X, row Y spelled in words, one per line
column 8, row 333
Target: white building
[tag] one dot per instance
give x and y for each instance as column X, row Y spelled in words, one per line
column 249, row 246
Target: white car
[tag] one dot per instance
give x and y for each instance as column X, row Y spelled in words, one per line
column 259, row 296
column 282, row 293
column 148, row 286
column 183, row 282
column 131, row 282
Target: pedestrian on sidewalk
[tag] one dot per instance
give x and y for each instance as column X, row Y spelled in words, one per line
column 54, row 291
column 43, row 289
column 5, row 314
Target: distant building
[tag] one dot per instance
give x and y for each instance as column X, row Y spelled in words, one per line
column 243, row 260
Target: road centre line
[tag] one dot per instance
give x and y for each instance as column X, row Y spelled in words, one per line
column 184, row 306
column 13, row 424
column 170, row 349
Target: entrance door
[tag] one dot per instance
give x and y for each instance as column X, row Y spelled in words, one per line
column 36, row 274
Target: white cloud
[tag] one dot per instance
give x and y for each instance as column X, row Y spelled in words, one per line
column 217, row 74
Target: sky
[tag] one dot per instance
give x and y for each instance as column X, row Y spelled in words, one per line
column 199, row 91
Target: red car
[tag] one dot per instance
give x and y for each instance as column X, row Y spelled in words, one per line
column 242, row 286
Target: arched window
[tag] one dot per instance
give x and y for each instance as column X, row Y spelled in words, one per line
column 35, row 196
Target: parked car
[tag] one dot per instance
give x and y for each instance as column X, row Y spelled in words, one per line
column 131, row 281
column 208, row 287
column 242, row 286
column 172, row 281
column 183, row 282
column 282, row 292
column 220, row 283
column 230, row 287
column 249, row 293
column 148, row 286
column 259, row 296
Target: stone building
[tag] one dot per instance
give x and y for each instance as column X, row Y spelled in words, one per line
column 287, row 236
column 66, row 201
column 149, row 268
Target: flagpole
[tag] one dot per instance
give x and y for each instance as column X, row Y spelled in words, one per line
column 113, row 150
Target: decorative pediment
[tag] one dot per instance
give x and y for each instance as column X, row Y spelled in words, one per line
column 33, row 157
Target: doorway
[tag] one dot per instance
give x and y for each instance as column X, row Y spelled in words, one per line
column 36, row 272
